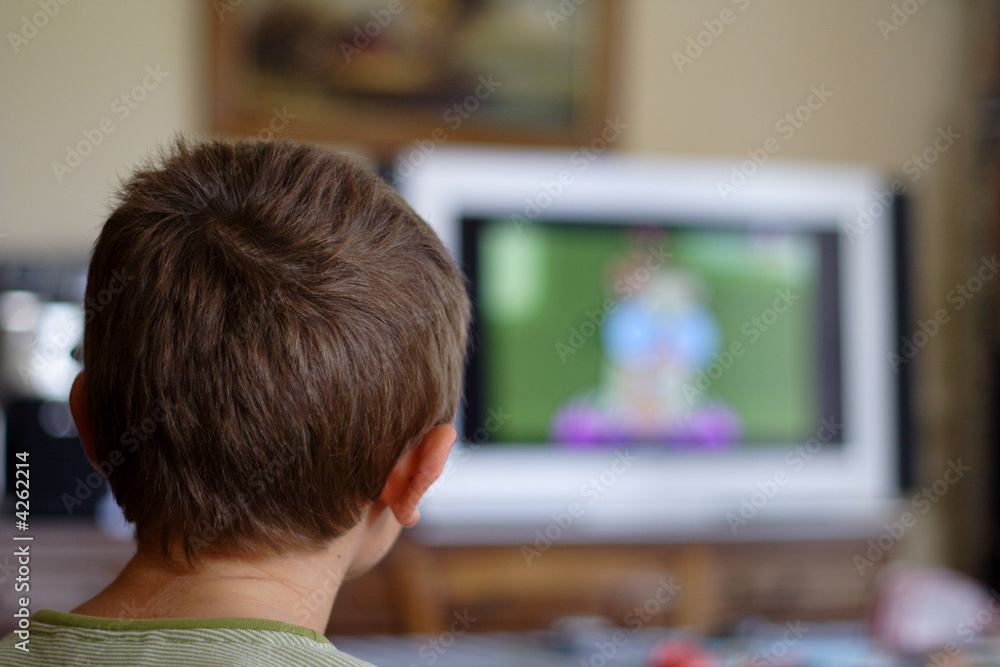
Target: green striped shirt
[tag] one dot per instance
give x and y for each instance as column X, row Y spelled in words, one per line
column 62, row 639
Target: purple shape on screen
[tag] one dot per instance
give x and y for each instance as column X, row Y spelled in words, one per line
column 579, row 425
column 583, row 426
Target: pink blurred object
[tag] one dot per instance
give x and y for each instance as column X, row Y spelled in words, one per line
column 920, row 609
column 680, row 653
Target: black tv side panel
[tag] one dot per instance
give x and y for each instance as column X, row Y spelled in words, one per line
column 903, row 327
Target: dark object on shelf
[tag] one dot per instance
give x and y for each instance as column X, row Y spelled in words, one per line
column 41, row 329
column 63, row 483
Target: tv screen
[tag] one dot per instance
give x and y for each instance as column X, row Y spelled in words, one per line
column 671, row 336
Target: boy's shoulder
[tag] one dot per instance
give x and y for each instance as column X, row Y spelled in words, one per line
column 72, row 639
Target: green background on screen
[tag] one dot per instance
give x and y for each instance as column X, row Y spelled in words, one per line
column 537, row 283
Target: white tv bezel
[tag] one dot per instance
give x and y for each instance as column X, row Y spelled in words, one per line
column 513, row 493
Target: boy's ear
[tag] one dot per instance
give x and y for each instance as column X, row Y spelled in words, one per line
column 78, row 407
column 415, row 471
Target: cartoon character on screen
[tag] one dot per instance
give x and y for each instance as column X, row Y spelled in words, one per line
column 656, row 337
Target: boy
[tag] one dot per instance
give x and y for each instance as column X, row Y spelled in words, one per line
column 269, row 397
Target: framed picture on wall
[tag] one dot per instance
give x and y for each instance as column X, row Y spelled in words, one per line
column 387, row 73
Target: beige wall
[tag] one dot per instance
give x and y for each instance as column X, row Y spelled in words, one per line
column 890, row 96
column 64, row 81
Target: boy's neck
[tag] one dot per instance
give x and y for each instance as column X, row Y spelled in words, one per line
column 297, row 589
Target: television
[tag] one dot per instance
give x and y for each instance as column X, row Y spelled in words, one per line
column 668, row 348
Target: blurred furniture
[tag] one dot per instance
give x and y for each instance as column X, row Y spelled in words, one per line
column 719, row 585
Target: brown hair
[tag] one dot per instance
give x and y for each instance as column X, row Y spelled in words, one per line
column 288, row 328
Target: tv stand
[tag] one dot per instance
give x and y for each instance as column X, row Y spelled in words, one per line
column 706, row 585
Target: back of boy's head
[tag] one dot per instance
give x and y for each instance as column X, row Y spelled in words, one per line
column 287, row 329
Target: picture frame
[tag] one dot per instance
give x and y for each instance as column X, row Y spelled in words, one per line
column 384, row 74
